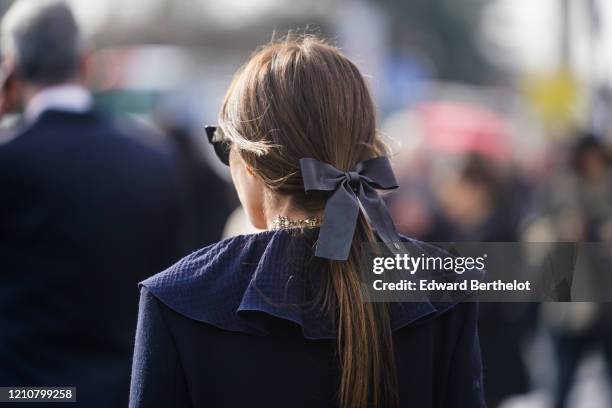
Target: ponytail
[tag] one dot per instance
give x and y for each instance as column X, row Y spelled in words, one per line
column 365, row 346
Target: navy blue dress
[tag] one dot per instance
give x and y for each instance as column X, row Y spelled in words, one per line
column 229, row 326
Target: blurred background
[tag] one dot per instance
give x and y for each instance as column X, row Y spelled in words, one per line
column 498, row 112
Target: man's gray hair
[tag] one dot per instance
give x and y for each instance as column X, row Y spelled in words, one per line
column 43, row 39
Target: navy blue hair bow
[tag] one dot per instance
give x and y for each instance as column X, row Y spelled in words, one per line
column 352, row 190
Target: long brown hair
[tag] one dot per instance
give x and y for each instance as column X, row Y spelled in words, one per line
column 301, row 97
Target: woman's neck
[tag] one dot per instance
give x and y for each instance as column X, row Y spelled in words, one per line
column 275, row 207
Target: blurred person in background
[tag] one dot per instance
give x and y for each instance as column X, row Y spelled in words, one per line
column 579, row 209
column 592, row 166
column 477, row 204
column 85, row 213
column 480, row 205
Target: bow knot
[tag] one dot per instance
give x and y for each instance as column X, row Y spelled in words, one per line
column 353, row 178
column 351, row 191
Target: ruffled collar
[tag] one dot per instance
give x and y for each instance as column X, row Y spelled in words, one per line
column 240, row 283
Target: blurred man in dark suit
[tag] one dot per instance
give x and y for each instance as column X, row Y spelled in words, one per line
column 86, row 212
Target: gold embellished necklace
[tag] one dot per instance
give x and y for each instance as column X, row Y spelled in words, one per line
column 282, row 222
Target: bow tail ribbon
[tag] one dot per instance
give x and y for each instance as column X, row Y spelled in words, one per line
column 375, row 210
column 340, row 220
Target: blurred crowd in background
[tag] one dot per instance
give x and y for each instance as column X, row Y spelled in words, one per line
column 497, row 113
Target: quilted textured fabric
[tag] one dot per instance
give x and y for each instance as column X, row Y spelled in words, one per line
column 239, row 284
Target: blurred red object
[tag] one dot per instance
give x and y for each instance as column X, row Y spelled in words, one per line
column 460, row 128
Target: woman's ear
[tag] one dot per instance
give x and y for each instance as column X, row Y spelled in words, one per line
column 249, row 170
column 250, row 189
